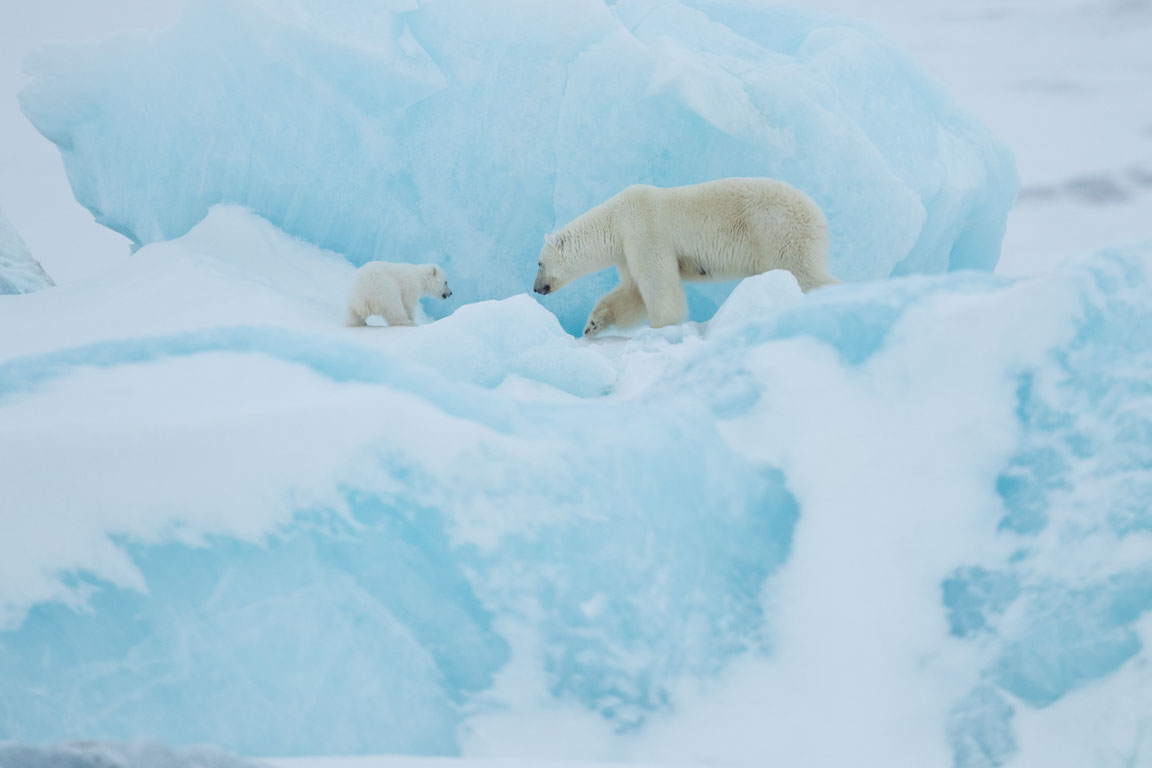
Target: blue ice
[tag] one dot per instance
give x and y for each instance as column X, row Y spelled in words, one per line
column 440, row 132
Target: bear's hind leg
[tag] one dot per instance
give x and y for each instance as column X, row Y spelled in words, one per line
column 658, row 280
column 810, row 279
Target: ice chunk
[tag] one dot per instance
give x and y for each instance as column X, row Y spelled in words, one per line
column 366, row 496
column 434, row 523
column 443, row 131
column 1052, row 582
column 19, row 272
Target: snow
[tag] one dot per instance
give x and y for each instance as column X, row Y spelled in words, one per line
column 902, row 522
column 19, row 272
column 376, row 152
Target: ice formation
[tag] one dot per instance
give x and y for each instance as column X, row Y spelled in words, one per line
column 19, row 272
column 910, row 512
column 462, row 133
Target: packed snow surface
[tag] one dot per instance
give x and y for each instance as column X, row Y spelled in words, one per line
column 19, row 272
column 460, row 132
column 911, row 513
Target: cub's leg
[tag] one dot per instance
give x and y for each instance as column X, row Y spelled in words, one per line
column 410, row 300
column 389, row 304
column 352, row 318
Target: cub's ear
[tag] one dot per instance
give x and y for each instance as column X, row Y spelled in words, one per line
column 435, row 271
column 553, row 239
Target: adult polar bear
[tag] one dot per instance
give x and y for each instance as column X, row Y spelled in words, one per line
column 656, row 237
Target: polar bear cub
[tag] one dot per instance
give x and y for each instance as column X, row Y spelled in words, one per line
column 391, row 291
column 658, row 237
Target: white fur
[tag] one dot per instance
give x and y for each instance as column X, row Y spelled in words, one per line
column 657, row 237
column 391, row 291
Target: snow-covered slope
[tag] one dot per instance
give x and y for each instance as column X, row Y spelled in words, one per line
column 462, row 133
column 19, row 272
column 911, row 513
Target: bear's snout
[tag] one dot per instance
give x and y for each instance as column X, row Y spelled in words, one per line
column 446, row 294
column 542, row 287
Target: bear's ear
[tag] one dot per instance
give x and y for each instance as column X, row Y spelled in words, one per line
column 553, row 239
column 435, row 271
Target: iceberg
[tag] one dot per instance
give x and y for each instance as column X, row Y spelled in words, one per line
column 921, row 501
column 450, row 132
column 19, row 272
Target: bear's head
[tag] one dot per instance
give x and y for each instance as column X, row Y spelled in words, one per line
column 436, row 283
column 552, row 273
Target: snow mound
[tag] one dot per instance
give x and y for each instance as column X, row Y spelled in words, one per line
column 912, row 513
column 446, row 131
column 19, row 272
column 425, row 501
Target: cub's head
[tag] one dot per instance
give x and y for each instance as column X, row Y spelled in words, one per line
column 553, row 273
column 436, row 282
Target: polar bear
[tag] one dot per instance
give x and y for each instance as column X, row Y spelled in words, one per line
column 392, row 291
column 657, row 237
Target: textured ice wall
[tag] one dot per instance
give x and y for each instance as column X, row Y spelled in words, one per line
column 19, row 272
column 462, row 132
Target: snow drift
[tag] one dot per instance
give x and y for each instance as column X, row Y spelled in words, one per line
column 459, row 132
column 912, row 513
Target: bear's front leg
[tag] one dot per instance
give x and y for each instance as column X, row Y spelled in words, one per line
column 622, row 307
column 600, row 318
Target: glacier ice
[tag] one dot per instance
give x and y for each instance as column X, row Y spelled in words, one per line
column 920, row 500
column 19, row 272
column 446, row 131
